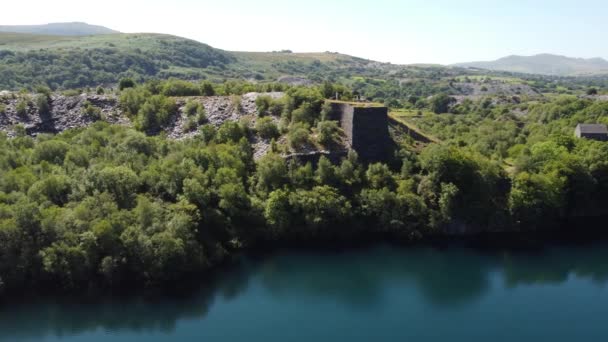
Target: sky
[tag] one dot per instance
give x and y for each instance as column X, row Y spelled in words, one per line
column 400, row 32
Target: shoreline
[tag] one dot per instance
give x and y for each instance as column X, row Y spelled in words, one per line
column 485, row 242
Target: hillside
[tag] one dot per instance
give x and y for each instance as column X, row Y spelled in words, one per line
column 59, row 29
column 71, row 62
column 544, row 64
column 76, row 62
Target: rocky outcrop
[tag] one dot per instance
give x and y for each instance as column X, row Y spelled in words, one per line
column 64, row 112
column 366, row 129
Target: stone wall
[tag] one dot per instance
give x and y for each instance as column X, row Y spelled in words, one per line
column 366, row 129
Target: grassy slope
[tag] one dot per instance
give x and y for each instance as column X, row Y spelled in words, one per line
column 29, row 42
column 60, row 29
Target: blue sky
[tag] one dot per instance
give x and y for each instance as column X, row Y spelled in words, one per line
column 410, row 31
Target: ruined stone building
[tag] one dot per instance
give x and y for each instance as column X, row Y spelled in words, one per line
column 365, row 127
column 592, row 131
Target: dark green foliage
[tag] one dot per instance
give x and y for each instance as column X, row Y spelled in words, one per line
column 180, row 88
column 42, row 103
column 52, row 151
column 91, row 111
column 299, row 135
column 196, row 113
column 440, row 103
column 328, row 132
column 131, row 99
column 266, row 128
column 591, row 91
column 263, row 104
column 231, row 132
column 155, row 113
column 207, row 89
column 22, row 108
column 106, row 59
column 125, row 83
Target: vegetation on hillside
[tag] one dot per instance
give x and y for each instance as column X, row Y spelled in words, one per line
column 74, row 62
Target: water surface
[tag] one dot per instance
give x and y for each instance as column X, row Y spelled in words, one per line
column 376, row 294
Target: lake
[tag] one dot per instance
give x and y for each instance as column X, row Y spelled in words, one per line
column 384, row 293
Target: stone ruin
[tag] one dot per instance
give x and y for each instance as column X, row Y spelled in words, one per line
column 366, row 128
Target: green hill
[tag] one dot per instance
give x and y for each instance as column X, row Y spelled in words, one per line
column 59, row 29
column 545, row 64
column 71, row 62
column 27, row 60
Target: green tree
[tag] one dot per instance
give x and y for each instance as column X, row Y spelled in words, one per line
column 440, row 103
column 52, row 151
column 22, row 108
column 271, row 172
column 328, row 132
column 207, row 89
column 266, row 128
column 125, row 83
column 119, row 181
column 298, row 135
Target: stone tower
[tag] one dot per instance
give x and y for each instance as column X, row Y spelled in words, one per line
column 365, row 127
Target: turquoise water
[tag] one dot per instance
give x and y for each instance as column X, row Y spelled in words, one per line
column 377, row 294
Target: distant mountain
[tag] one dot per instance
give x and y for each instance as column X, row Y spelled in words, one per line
column 59, row 29
column 544, row 64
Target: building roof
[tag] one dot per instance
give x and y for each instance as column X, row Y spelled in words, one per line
column 593, row 128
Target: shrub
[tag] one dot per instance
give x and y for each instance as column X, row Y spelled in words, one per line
column 52, row 151
column 208, row 133
column 207, row 89
column 230, row 131
column 132, row 99
column 22, row 108
column 120, row 181
column 305, row 113
column 191, row 108
column 263, row 104
column 100, row 91
column 266, row 128
column 328, row 132
column 155, row 113
column 91, row 111
column 440, row 103
column 298, row 135
column 276, row 107
column 237, row 103
column 125, row 83
column 180, row 88
column 189, row 124
column 197, row 110
column 42, row 102
column 201, row 115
